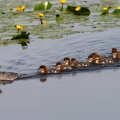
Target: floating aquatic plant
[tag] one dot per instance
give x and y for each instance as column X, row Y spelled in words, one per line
column 21, row 35
column 62, row 2
column 117, row 10
column 19, row 28
column 41, row 15
column 43, row 6
column 44, row 22
column 105, row 10
column 19, row 9
column 58, row 17
column 78, row 10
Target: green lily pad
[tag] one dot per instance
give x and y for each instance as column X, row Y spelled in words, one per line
column 116, row 11
column 43, row 6
column 82, row 11
column 21, row 35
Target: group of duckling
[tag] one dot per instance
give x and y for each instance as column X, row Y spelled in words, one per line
column 69, row 64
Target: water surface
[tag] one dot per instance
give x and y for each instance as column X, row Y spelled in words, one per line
column 91, row 94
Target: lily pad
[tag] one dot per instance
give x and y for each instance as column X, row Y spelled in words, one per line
column 82, row 11
column 21, row 35
column 116, row 11
column 43, row 6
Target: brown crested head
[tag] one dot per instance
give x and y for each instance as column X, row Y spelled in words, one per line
column 42, row 67
column 90, row 56
column 58, row 64
column 94, row 54
column 66, row 58
column 67, row 61
column 114, row 50
column 73, row 60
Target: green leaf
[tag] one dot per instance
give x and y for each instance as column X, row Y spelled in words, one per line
column 116, row 11
column 82, row 11
column 43, row 6
column 21, row 35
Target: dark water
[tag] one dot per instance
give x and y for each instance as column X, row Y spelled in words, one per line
column 92, row 95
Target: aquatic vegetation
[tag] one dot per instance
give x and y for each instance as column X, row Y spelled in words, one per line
column 19, row 28
column 117, row 11
column 58, row 17
column 63, row 23
column 21, row 35
column 20, row 9
column 41, row 15
column 78, row 10
column 43, row 6
column 62, row 2
column 44, row 22
column 105, row 10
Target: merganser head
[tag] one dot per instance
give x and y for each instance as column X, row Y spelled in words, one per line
column 73, row 60
column 43, row 69
column 90, row 58
column 67, row 61
column 59, row 65
column 114, row 50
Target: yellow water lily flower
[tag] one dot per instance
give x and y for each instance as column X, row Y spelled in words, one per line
column 44, row 22
column 41, row 15
column 62, row 1
column 77, row 8
column 22, row 8
column 118, row 7
column 19, row 27
column 105, row 8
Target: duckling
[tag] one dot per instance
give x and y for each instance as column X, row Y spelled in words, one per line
column 44, row 70
column 92, row 57
column 102, row 60
column 78, row 63
column 115, row 53
column 60, row 66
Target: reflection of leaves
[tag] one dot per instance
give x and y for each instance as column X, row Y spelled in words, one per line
column 43, row 6
column 23, row 34
column 82, row 11
column 24, row 44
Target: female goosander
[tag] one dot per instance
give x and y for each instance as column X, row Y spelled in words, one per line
column 9, row 76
